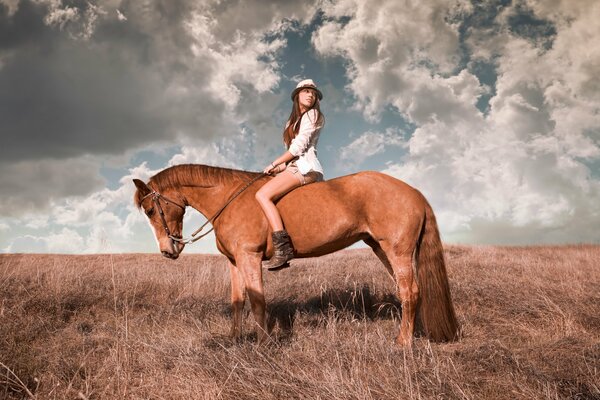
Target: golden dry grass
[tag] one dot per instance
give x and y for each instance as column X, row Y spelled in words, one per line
column 143, row 327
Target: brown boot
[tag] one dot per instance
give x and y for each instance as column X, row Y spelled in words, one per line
column 283, row 251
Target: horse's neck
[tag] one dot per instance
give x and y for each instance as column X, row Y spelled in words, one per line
column 208, row 194
column 206, row 201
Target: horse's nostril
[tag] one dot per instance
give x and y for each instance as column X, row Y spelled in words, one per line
column 172, row 256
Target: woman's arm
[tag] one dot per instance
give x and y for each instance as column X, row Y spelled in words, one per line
column 276, row 166
column 308, row 127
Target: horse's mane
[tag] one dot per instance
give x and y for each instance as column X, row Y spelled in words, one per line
column 194, row 175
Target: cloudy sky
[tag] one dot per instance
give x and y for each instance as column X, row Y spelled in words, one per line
column 491, row 109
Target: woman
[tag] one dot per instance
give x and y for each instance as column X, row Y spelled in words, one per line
column 296, row 167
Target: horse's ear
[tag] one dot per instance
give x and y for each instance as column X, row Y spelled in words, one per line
column 142, row 187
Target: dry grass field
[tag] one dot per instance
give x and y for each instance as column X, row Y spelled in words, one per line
column 140, row 326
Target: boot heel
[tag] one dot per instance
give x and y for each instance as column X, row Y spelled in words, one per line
column 280, row 267
column 283, row 251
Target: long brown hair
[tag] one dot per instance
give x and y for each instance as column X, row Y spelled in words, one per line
column 293, row 125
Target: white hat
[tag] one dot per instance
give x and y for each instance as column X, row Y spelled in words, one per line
column 307, row 83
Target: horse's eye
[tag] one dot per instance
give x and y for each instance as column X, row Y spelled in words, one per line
column 150, row 211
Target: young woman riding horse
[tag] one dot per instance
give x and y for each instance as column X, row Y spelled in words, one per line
column 391, row 217
column 296, row 167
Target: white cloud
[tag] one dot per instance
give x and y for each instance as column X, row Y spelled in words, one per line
column 395, row 49
column 516, row 175
column 36, row 220
column 140, row 172
column 4, row 226
column 208, row 155
column 369, row 144
column 79, row 23
column 120, row 16
column 64, row 241
column 26, row 244
column 562, row 12
column 105, row 221
column 247, row 59
column 59, row 15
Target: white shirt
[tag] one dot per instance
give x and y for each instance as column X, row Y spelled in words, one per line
column 304, row 145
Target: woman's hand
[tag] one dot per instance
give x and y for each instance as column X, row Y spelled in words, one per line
column 270, row 169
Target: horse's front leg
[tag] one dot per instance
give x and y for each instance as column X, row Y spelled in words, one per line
column 250, row 266
column 238, row 299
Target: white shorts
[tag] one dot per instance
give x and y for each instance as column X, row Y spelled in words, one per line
column 309, row 177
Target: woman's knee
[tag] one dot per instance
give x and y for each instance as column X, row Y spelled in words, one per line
column 262, row 197
column 259, row 196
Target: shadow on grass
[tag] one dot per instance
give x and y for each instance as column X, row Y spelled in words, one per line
column 350, row 304
column 340, row 304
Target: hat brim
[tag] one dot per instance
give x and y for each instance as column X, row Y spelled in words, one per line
column 295, row 92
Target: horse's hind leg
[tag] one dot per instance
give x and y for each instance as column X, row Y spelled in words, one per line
column 374, row 244
column 399, row 262
column 238, row 299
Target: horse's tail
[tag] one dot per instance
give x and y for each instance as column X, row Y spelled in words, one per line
column 435, row 312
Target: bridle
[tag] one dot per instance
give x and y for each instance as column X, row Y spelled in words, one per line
column 155, row 199
column 156, row 196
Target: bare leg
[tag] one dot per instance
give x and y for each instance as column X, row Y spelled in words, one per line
column 251, row 269
column 238, row 299
column 271, row 191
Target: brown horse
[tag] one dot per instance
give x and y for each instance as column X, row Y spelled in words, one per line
column 393, row 218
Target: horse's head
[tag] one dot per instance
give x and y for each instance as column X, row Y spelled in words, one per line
column 165, row 215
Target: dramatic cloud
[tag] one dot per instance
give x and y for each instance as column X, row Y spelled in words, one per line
column 104, row 221
column 109, row 77
column 31, row 185
column 491, row 109
column 394, row 48
column 70, row 87
column 518, row 171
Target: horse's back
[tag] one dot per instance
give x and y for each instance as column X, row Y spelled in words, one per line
column 344, row 210
column 364, row 189
column 369, row 180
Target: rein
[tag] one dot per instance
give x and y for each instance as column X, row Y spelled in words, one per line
column 156, row 196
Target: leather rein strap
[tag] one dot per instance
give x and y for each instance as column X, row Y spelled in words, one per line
column 156, row 196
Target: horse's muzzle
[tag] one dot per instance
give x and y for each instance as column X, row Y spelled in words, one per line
column 174, row 249
column 172, row 256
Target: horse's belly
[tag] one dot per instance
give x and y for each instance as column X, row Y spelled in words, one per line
column 317, row 247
